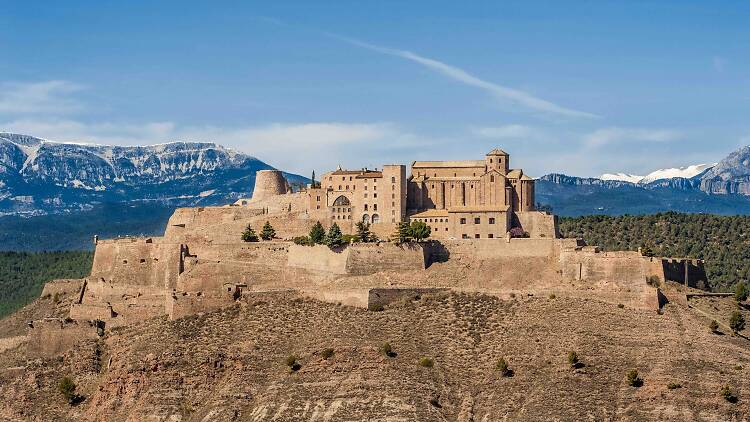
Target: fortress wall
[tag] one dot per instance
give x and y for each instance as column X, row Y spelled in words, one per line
column 370, row 258
column 346, row 296
column 62, row 286
column 501, row 248
column 688, row 272
column 319, row 258
column 137, row 261
column 538, row 224
column 183, row 304
column 51, row 337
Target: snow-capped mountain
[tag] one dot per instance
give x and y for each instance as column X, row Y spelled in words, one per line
column 668, row 173
column 39, row 176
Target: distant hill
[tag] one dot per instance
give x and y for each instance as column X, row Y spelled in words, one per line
column 39, row 177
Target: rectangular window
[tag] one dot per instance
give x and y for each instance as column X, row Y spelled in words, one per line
column 393, row 179
column 318, row 198
column 374, row 188
column 476, row 236
column 365, row 195
column 393, row 204
column 374, row 195
column 491, row 236
column 375, row 207
column 464, row 236
column 492, row 220
column 476, row 220
column 463, row 221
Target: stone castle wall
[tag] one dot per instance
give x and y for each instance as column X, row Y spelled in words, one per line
column 537, row 223
column 269, row 183
column 137, row 261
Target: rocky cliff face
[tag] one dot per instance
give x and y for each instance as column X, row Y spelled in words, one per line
column 40, row 177
column 731, row 175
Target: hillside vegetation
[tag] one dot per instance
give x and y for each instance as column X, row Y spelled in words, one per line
column 722, row 241
column 23, row 274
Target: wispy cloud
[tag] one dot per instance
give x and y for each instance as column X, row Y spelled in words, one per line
column 501, row 92
column 611, row 135
column 44, row 97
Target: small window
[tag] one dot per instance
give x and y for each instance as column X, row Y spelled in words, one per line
column 434, row 229
column 365, row 207
column 393, row 196
column 318, row 199
column 393, row 187
column 347, row 187
column 374, row 188
column 339, row 187
column 317, row 207
column 492, row 220
column 375, row 207
column 492, row 178
column 490, row 160
column 343, row 178
column 476, row 236
column 446, row 229
column 374, row 195
column 350, row 178
column 464, row 236
column 365, row 195
column 365, row 187
column 477, row 220
column 393, row 204
column 463, row 221
column 491, row 236
column 393, row 179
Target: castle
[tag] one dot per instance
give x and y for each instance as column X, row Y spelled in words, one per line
column 472, row 207
column 473, row 199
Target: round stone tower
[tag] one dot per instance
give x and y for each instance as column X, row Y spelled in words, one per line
column 269, row 183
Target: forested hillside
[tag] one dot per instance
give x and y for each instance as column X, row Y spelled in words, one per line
column 22, row 274
column 722, row 241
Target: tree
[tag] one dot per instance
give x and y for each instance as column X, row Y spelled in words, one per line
column 67, row 388
column 317, row 234
column 713, row 326
column 363, row 231
column 249, row 235
column 419, row 230
column 334, row 237
column 267, row 232
column 737, row 322
column 402, row 233
column 647, row 251
column 740, row 292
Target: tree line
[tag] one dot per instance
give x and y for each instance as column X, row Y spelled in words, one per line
column 722, row 241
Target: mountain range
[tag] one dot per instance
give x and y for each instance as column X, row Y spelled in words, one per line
column 56, row 195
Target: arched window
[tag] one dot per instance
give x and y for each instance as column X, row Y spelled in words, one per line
column 341, row 200
column 375, row 219
column 366, row 219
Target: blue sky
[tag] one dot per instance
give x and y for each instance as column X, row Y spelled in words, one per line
column 574, row 87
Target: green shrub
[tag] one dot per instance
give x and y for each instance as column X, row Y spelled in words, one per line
column 249, row 235
column 292, row 363
column 737, row 322
column 426, row 362
column 653, row 281
column 573, row 358
column 552, row 296
column 713, row 326
column 377, row 307
column 56, row 298
column 740, row 292
column 387, row 350
column 327, row 353
column 363, row 231
column 419, row 230
column 673, row 386
column 633, row 379
column 334, row 238
column 738, row 367
column 302, row 240
column 620, row 305
column 317, row 234
column 502, row 366
column 67, row 388
column 727, row 393
column 349, row 238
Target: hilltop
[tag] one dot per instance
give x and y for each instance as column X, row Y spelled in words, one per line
column 230, row 364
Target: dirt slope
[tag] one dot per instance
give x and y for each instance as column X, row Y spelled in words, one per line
column 230, row 364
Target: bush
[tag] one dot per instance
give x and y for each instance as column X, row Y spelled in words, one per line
column 249, row 235
column 518, row 232
column 621, row 306
column 740, row 292
column 647, row 251
column 56, row 298
column 633, row 379
column 713, row 326
column 317, row 234
column 419, row 230
column 737, row 322
column 728, row 395
column 387, row 350
column 349, row 238
column 302, row 240
column 334, row 238
column 327, row 353
column 67, row 388
column 502, row 366
column 377, row 308
column 552, row 296
column 573, row 358
column 653, row 281
column 267, row 232
column 292, row 363
column 363, row 231
column 673, row 386
column 426, row 362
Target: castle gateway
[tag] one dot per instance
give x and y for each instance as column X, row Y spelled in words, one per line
column 473, row 199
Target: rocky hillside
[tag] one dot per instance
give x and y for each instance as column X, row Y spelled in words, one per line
column 230, row 365
column 731, row 175
column 41, row 177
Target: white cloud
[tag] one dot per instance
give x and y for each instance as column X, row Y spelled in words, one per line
column 503, row 132
column 501, row 92
column 39, row 97
column 612, row 135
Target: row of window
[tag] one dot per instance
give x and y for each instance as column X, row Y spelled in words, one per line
column 477, row 236
column 432, row 220
column 478, row 220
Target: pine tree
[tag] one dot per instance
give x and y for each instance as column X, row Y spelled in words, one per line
column 334, row 238
column 419, row 230
column 363, row 231
column 317, row 234
column 740, row 292
column 249, row 235
column 402, row 233
column 267, row 233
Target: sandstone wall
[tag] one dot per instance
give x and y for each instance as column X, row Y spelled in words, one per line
column 183, row 304
column 370, row 258
column 137, row 261
column 269, row 183
column 53, row 336
column 538, row 224
column 688, row 272
column 318, row 258
column 62, row 286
